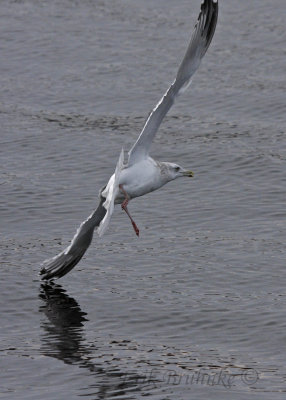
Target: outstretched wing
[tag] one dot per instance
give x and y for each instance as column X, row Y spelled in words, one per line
column 61, row 264
column 200, row 41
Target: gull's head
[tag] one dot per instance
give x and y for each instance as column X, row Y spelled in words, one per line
column 174, row 171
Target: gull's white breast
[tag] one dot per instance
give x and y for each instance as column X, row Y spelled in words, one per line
column 141, row 178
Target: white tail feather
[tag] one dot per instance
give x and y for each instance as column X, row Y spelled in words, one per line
column 110, row 193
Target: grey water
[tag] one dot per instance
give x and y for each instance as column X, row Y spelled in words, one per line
column 195, row 307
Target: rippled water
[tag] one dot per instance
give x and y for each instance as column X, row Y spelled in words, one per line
column 195, row 308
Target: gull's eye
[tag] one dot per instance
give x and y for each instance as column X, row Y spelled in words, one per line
column 177, row 169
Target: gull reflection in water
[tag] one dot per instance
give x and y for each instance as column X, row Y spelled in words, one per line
column 64, row 339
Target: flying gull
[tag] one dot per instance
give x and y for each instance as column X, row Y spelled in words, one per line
column 141, row 174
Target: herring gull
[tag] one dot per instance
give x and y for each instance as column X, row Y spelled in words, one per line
column 141, row 174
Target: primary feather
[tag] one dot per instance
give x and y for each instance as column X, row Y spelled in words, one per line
column 200, row 41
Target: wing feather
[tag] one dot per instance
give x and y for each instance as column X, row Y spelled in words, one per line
column 199, row 43
column 61, row 264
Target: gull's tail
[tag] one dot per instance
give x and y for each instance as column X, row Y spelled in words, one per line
column 60, row 265
column 109, row 193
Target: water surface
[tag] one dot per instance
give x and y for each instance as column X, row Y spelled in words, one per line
column 195, row 308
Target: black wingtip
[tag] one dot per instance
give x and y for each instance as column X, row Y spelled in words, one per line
column 209, row 11
column 59, row 266
column 64, row 262
column 208, row 3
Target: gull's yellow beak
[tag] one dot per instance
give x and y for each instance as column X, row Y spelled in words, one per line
column 190, row 174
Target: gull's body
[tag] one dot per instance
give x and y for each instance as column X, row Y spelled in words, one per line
column 147, row 171
column 141, row 174
column 141, row 178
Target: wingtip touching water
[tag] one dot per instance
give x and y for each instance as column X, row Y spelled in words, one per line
column 60, row 265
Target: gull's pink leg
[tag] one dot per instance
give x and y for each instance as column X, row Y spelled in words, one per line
column 124, row 207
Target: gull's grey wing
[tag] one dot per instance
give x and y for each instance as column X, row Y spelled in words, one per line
column 200, row 41
column 61, row 264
